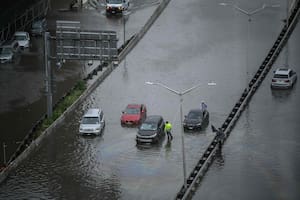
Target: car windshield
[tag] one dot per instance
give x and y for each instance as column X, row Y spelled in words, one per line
column 281, row 76
column 20, row 37
column 90, row 120
column 132, row 111
column 114, row 1
column 5, row 51
column 148, row 127
column 194, row 115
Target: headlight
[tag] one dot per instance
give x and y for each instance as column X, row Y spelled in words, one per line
column 154, row 135
column 199, row 124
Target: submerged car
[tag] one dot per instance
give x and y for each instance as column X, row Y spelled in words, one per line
column 196, row 119
column 151, row 130
column 38, row 27
column 22, row 38
column 8, row 51
column 283, row 78
column 92, row 122
column 134, row 114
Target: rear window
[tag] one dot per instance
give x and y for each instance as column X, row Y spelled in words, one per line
column 132, row 111
column 194, row 115
column 281, row 76
column 90, row 120
column 148, row 126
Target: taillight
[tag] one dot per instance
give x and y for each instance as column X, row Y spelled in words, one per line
column 273, row 80
column 287, row 81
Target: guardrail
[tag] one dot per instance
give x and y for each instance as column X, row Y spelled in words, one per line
column 207, row 158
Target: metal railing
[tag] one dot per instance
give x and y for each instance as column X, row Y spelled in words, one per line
column 207, row 158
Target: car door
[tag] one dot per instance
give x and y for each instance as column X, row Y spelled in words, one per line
column 143, row 112
column 293, row 76
column 102, row 120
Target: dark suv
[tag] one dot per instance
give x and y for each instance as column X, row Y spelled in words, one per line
column 151, row 130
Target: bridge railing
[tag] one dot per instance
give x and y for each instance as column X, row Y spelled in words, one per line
column 24, row 20
column 207, row 158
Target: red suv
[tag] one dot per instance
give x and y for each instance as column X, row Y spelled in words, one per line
column 134, row 114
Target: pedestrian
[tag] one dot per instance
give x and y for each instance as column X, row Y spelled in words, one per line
column 168, row 128
column 203, row 106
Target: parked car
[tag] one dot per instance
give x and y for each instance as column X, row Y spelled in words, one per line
column 22, row 38
column 134, row 114
column 38, row 27
column 151, row 130
column 283, row 78
column 116, row 6
column 8, row 51
column 196, row 119
column 92, row 122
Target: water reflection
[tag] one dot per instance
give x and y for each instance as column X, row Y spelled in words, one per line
column 281, row 94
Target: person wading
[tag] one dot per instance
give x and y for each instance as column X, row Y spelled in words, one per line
column 168, row 128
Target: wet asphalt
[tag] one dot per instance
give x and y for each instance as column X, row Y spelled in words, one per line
column 205, row 43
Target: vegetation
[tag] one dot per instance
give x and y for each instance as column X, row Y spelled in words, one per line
column 61, row 107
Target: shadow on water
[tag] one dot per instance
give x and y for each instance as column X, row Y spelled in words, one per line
column 220, row 160
column 156, row 146
column 281, row 94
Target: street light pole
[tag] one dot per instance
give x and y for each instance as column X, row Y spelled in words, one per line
column 180, row 94
column 4, row 153
column 287, row 42
column 249, row 14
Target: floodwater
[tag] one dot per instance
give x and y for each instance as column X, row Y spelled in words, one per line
column 184, row 47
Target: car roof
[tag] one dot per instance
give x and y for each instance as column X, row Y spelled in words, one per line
column 134, row 105
column 282, row 71
column 93, row 112
column 153, row 118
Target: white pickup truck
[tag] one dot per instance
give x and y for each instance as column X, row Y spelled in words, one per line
column 116, row 6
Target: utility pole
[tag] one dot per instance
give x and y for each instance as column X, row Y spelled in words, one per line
column 48, row 74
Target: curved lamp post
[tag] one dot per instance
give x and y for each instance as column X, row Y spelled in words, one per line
column 249, row 14
column 180, row 94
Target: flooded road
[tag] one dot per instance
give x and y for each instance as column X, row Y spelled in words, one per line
column 184, row 47
column 22, row 86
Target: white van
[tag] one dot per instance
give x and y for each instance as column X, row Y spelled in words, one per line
column 22, row 38
column 92, row 123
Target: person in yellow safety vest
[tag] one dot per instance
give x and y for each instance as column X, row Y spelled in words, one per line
column 168, row 128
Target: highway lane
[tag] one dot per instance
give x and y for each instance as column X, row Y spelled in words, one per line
column 184, row 47
column 261, row 158
column 22, row 97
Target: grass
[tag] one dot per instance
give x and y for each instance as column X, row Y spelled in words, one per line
column 61, row 107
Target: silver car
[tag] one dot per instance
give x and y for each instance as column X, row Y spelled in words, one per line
column 92, row 122
column 8, row 51
column 283, row 78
